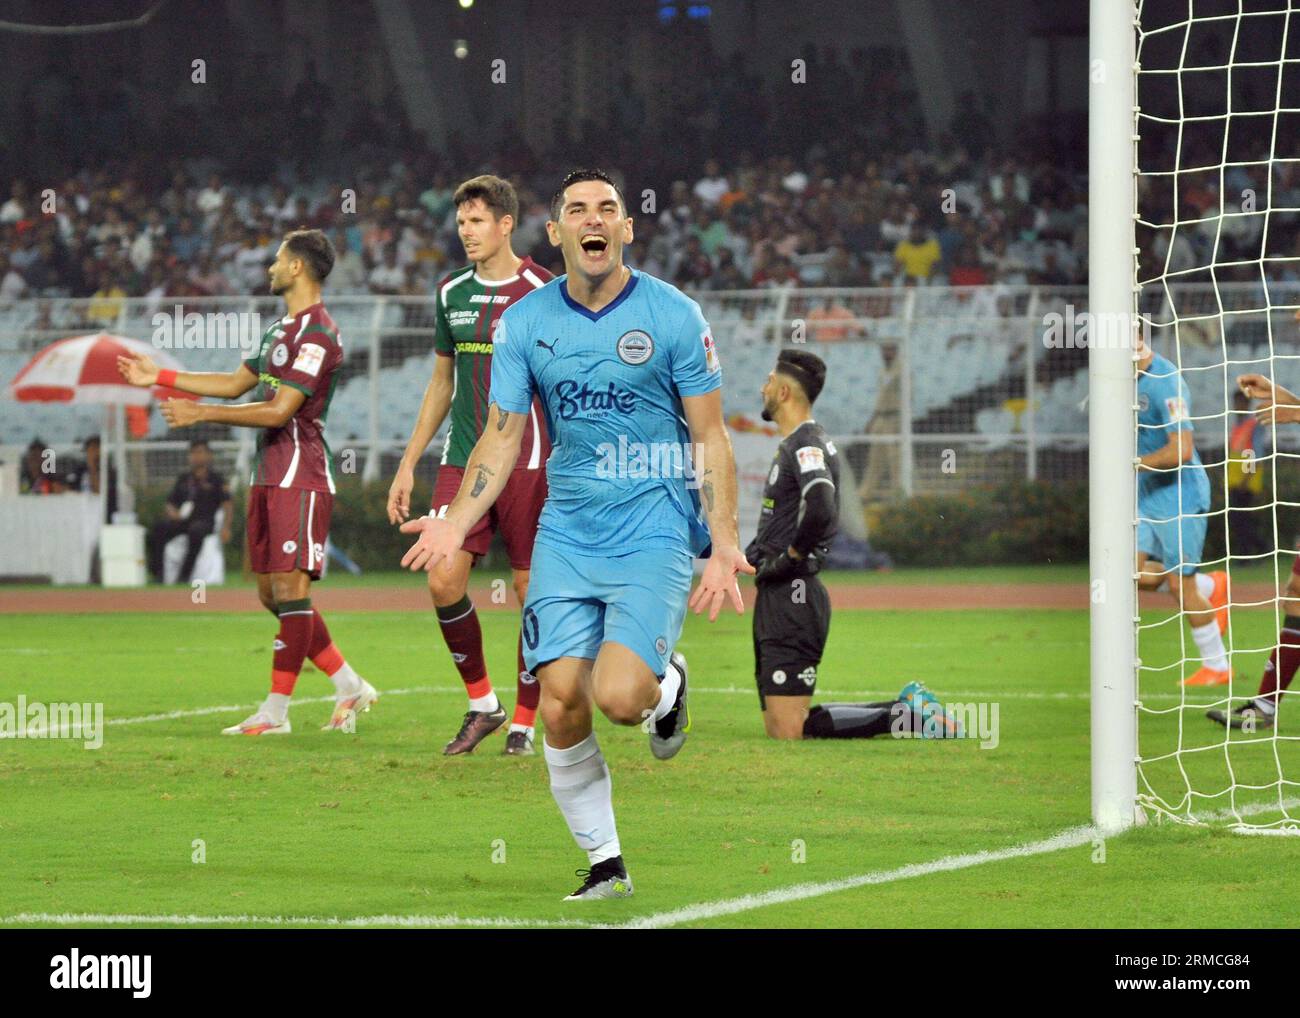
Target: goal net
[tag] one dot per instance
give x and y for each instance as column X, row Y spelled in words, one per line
column 1217, row 274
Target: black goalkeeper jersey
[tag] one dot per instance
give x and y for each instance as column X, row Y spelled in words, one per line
column 804, row 458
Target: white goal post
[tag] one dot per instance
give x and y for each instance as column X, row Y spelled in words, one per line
column 1194, row 244
column 1111, row 414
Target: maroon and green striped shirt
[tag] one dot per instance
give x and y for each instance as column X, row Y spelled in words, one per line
column 467, row 311
column 303, row 351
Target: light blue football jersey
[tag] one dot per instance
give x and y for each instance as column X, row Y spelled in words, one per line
column 1164, row 409
column 611, row 382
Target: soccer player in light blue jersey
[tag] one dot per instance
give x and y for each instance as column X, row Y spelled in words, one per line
column 641, row 480
column 1173, row 500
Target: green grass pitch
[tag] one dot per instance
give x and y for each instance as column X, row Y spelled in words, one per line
column 380, row 824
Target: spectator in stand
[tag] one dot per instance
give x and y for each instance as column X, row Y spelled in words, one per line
column 88, row 477
column 38, row 474
column 388, row 277
column 778, row 273
column 349, row 273
column 191, row 511
column 832, row 322
column 12, row 284
column 712, row 186
column 727, row 276
column 106, row 303
column 917, row 257
column 693, row 269
column 966, row 268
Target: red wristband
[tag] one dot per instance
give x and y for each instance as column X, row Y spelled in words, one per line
column 167, row 377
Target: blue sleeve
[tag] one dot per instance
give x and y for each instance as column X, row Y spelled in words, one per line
column 512, row 381
column 695, row 366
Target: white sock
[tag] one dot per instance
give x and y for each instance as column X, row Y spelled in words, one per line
column 527, row 729
column 1265, row 705
column 1204, row 585
column 276, row 707
column 346, row 681
column 582, row 789
column 1210, row 643
column 485, row 704
column 668, row 687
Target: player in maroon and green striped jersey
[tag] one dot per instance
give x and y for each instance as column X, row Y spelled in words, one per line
column 292, row 493
column 468, row 305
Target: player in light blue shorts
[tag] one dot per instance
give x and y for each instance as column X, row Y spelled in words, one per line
column 1173, row 503
column 641, row 480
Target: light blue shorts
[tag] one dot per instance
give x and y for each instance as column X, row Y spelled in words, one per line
column 1160, row 541
column 577, row 602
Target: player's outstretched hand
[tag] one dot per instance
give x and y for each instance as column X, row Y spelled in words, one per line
column 180, row 413
column 438, row 542
column 399, row 496
column 719, row 581
column 138, row 369
column 1281, row 406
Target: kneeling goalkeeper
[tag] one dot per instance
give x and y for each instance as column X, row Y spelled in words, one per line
column 792, row 616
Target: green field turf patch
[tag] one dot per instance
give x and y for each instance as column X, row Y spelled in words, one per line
column 380, row 823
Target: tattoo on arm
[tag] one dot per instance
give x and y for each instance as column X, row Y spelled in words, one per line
column 706, row 489
column 481, row 479
column 502, row 417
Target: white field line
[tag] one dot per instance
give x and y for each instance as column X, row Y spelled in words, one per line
column 1073, row 837
column 968, row 696
column 412, row 921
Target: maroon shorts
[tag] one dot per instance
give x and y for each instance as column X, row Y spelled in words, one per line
column 514, row 513
column 287, row 528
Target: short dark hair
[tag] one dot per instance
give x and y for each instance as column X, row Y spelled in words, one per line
column 314, row 248
column 200, row 442
column 497, row 194
column 578, row 177
column 89, row 441
column 806, row 368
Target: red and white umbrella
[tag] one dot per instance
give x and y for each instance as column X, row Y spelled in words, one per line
column 83, row 369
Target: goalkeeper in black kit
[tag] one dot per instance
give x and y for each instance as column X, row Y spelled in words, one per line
column 792, row 616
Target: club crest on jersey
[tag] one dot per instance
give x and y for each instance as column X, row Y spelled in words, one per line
column 280, row 355
column 635, row 347
column 1144, row 402
column 776, row 471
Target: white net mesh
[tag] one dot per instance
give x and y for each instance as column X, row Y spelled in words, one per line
column 1218, row 284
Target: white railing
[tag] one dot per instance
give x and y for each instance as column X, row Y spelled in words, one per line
column 972, row 381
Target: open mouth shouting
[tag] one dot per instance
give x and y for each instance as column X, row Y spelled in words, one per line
column 595, row 247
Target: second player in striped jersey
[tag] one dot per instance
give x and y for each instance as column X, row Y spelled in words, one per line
column 468, row 306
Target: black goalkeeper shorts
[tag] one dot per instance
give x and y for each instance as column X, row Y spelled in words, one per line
column 792, row 619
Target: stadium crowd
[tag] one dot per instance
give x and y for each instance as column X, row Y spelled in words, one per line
column 751, row 223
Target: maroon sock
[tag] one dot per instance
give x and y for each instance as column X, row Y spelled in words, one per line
column 527, row 693
column 1284, row 660
column 464, row 638
column 296, row 623
column 320, row 635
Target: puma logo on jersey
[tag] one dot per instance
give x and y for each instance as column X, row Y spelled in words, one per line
column 549, row 346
